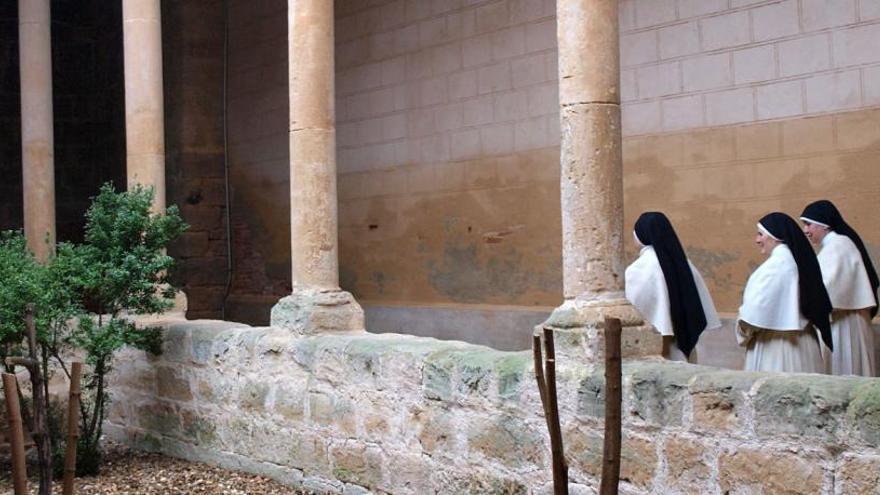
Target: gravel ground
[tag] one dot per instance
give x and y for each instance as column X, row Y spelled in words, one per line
column 137, row 473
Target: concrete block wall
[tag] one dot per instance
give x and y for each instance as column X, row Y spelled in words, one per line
column 688, row 64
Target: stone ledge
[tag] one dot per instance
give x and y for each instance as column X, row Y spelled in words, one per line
column 438, row 406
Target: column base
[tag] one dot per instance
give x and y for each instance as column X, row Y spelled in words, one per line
column 579, row 330
column 315, row 311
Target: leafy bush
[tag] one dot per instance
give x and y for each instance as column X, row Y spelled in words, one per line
column 84, row 296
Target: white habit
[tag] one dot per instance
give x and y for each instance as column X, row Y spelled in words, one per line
column 846, row 279
column 777, row 337
column 646, row 290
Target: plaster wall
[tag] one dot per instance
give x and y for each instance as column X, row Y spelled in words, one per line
column 447, row 135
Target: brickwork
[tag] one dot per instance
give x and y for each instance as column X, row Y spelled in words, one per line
column 409, row 415
column 193, row 86
column 258, row 154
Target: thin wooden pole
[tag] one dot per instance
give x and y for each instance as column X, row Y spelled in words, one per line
column 539, row 376
column 72, row 428
column 560, row 469
column 613, row 400
column 16, row 434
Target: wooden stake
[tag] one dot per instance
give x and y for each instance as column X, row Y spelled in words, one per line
column 613, row 399
column 560, row 469
column 539, row 376
column 16, row 434
column 72, row 428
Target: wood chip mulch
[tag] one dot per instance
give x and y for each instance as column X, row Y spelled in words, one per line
column 137, row 473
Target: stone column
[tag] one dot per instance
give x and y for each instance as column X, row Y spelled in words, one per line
column 144, row 107
column 317, row 304
column 591, row 185
column 37, row 138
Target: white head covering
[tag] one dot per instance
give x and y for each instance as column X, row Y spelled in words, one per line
column 772, row 297
column 646, row 289
column 844, row 273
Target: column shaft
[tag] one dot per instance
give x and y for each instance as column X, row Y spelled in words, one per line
column 37, row 138
column 317, row 304
column 313, row 204
column 591, row 186
column 144, row 106
column 592, row 166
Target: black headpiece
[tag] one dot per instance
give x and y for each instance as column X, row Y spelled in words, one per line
column 688, row 319
column 814, row 301
column 825, row 213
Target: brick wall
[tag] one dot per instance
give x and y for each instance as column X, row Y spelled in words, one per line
column 258, row 157
column 193, row 85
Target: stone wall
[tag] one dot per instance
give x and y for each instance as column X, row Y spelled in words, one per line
column 403, row 414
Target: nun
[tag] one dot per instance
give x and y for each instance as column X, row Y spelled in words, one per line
column 667, row 289
column 851, row 281
column 783, row 301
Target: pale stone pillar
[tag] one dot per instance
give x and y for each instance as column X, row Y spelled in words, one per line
column 144, row 107
column 37, row 138
column 591, row 185
column 317, row 304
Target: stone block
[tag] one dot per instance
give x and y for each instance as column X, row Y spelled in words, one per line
column 726, row 30
column 804, row 406
column 357, row 463
column 508, row 440
column 654, row 13
column 252, row 396
column 838, row 91
column 657, row 392
column 784, row 99
column 686, row 464
column 541, row 35
column 641, row 118
column 679, row 40
column 591, row 394
column 198, row 428
column 475, row 480
column 730, row 107
column 528, row 70
column 858, row 474
column 776, row 20
column 758, row 141
column 864, row 411
column 804, row 55
column 434, row 429
column 159, row 418
column 758, row 470
column 693, row 8
column 411, row 473
column 720, row 400
column 638, row 457
column 682, row 113
column 810, row 135
column 437, row 377
column 659, row 80
column 754, row 64
column 172, row 384
column 309, row 452
column 858, row 130
column 707, row 72
column 316, row 311
column 855, row 46
column 638, row 48
column 869, row 9
column 494, row 78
